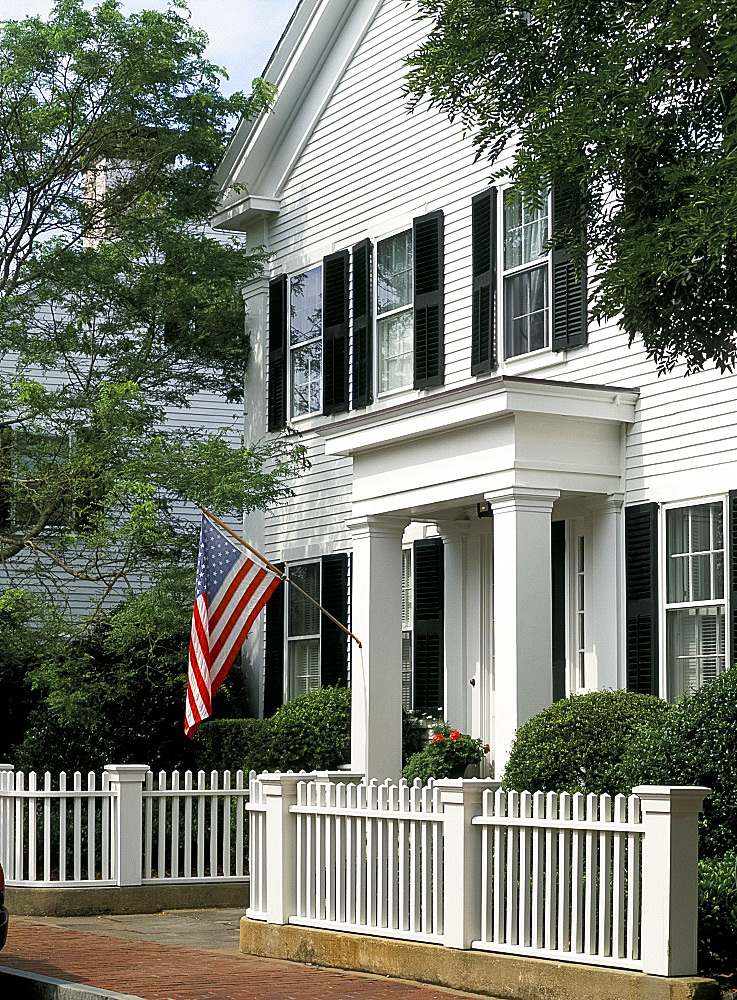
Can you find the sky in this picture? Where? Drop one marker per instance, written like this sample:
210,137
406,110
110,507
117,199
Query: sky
242,33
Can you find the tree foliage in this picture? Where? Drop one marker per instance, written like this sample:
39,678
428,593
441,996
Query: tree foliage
635,106
116,301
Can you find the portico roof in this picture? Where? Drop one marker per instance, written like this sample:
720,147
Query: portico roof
450,448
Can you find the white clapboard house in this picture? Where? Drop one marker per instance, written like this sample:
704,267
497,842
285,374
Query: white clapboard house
504,500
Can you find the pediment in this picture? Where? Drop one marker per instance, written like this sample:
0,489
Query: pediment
306,67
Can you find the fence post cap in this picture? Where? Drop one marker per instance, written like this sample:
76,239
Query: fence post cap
127,772
6,767
464,789
274,783
671,798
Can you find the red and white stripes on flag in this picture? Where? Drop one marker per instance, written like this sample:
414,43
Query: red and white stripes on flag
231,590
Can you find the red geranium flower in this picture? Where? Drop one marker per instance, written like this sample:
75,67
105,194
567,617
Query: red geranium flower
437,738
454,735
486,746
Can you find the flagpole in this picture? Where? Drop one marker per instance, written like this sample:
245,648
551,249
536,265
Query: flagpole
275,569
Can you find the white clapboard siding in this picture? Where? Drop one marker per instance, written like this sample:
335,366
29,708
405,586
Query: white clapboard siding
367,168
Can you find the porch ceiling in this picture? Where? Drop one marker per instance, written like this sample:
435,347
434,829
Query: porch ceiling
448,449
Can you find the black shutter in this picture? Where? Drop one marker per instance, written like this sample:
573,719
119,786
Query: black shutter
333,640
483,258
277,387
362,324
428,266
569,291
274,657
428,626
732,554
335,332
558,579
641,568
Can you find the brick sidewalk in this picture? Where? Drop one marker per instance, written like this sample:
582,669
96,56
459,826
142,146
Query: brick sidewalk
167,972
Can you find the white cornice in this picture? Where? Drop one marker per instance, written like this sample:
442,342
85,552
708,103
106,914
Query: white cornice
238,214
483,401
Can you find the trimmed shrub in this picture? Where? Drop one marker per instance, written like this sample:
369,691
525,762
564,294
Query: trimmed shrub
447,755
224,744
696,745
310,733
578,743
718,914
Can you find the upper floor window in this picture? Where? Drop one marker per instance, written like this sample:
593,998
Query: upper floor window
394,311
525,275
305,342
694,596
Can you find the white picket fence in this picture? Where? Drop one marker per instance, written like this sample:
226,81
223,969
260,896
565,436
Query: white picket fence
464,864
124,828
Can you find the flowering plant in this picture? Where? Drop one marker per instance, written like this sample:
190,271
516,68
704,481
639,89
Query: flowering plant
447,755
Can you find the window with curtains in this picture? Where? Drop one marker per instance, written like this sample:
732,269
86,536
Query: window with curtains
525,274
695,587
305,342
303,630
394,311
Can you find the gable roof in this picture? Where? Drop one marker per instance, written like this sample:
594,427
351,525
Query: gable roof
306,67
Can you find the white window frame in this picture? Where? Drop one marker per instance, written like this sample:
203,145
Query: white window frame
502,273
579,530
410,308
288,694
292,416
664,605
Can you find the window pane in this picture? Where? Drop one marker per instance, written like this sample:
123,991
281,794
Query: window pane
526,311
395,351
525,230
407,588
695,553
306,378
407,670
695,648
304,617
394,268
304,666
305,306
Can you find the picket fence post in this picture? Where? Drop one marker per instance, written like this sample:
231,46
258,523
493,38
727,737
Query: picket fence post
460,801
670,877
126,784
280,792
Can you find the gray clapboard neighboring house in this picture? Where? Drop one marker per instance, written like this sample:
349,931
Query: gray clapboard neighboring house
504,499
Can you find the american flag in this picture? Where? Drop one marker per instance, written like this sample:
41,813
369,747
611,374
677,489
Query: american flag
230,591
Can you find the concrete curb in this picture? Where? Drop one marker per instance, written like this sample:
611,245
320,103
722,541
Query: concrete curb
88,901
30,986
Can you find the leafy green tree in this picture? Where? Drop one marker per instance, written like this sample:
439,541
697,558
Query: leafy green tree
632,106
116,301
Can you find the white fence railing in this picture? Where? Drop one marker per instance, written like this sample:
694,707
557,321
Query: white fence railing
125,828
464,864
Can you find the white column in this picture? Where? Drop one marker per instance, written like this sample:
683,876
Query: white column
461,801
126,784
376,701
670,878
255,296
456,685
604,620
280,792
522,611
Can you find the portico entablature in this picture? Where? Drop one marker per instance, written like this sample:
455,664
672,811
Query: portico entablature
454,447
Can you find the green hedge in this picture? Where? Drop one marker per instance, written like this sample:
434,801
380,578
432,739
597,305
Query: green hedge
718,914
578,743
696,745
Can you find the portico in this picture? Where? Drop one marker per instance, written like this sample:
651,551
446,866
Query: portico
537,451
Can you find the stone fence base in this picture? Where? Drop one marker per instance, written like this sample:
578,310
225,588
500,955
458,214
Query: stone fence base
507,977
80,901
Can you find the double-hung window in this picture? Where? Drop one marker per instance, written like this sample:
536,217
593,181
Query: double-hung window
303,630
394,311
525,274
305,342
694,595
